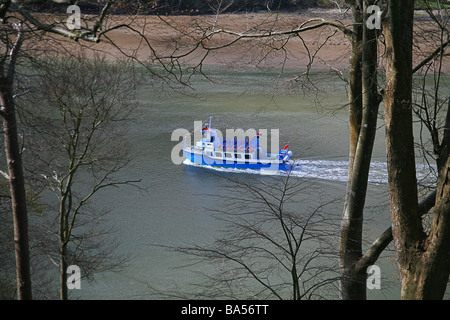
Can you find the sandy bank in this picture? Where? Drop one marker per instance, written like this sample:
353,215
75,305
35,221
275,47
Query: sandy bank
322,48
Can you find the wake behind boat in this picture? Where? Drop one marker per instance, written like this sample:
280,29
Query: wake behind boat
215,151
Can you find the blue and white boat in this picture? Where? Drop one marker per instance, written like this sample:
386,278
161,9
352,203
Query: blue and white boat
211,150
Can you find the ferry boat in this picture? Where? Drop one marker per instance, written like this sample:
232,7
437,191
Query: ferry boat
235,153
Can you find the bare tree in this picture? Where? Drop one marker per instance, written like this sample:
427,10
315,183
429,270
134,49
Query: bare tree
202,39
430,99
364,102
20,25
77,146
13,32
276,244
364,99
423,258
14,161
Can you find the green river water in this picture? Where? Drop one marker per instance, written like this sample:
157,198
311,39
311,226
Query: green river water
172,209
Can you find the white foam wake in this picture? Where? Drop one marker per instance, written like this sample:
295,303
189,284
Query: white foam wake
331,170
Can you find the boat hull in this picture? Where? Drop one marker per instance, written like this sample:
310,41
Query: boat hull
199,157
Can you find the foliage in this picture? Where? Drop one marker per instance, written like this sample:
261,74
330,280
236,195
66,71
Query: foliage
427,4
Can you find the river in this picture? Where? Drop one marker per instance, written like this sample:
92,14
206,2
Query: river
171,209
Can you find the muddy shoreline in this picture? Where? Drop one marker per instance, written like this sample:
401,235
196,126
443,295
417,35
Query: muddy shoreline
165,36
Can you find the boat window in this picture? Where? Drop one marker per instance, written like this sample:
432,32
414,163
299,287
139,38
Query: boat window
247,156
218,154
238,156
228,155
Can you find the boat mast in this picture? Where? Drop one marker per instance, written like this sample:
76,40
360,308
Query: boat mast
210,122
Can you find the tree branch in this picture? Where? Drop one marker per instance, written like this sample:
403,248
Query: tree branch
434,54
383,241
99,23
295,31
14,53
87,35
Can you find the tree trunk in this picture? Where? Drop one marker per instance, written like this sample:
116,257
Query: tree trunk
406,224
64,235
428,280
63,273
18,196
15,172
352,285
437,260
423,260
364,102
